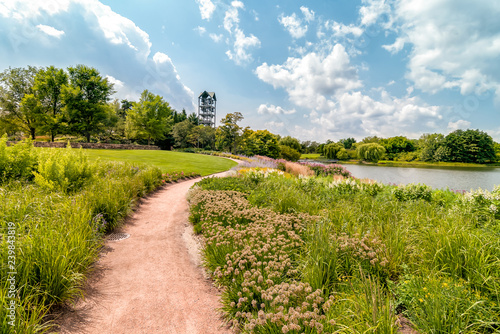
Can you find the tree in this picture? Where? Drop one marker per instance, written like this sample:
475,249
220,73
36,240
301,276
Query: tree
470,146
193,118
291,142
370,152
288,153
49,83
260,142
342,154
17,101
347,143
428,144
150,118
330,150
396,145
201,136
85,100
181,132
229,132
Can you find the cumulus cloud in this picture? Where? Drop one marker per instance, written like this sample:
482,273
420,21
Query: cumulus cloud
241,43
201,30
95,36
452,45
342,30
329,88
460,124
207,9
274,110
293,25
311,80
373,10
51,31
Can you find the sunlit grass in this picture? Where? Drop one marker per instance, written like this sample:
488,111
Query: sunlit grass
167,161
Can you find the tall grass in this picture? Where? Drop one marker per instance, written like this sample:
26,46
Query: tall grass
369,253
59,224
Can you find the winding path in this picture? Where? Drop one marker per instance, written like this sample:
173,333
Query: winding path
153,281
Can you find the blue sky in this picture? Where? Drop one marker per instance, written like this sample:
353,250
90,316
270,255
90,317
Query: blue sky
316,70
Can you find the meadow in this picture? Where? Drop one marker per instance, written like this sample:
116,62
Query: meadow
56,207
166,161
301,252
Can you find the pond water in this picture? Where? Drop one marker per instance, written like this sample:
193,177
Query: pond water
456,178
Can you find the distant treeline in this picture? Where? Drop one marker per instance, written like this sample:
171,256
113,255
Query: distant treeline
75,103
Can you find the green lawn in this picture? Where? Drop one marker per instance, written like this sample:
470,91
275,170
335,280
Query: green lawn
167,161
310,156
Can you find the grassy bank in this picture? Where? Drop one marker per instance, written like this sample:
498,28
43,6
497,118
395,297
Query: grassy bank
167,161
334,255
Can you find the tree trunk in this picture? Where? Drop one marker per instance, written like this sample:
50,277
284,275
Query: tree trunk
52,136
32,130
88,137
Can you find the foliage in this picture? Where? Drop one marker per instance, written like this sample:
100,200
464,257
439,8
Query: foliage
229,132
49,83
398,144
470,146
288,153
58,235
150,118
342,154
17,100
260,142
330,150
413,192
347,142
181,132
428,145
370,152
17,162
85,100
61,170
291,142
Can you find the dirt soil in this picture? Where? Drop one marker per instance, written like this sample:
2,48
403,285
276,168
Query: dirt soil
153,281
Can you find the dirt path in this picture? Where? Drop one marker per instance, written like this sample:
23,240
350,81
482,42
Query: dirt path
151,282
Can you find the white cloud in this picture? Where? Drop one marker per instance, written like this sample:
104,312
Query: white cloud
216,38
452,45
51,31
294,25
273,110
201,30
328,87
96,36
207,9
372,10
460,124
311,80
308,14
241,43
342,30
273,125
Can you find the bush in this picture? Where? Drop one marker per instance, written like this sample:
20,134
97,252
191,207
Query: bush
66,170
17,162
370,152
289,153
413,192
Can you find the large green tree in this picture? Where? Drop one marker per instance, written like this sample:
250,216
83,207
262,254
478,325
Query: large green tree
330,150
18,105
396,145
85,100
428,145
291,142
150,118
49,83
470,146
370,152
260,142
182,134
229,132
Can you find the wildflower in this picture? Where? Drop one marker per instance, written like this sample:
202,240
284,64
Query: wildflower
421,300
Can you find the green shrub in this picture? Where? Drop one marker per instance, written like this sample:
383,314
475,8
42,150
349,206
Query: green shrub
289,153
17,162
66,170
413,192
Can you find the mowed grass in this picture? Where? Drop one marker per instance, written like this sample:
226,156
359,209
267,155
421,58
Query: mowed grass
167,161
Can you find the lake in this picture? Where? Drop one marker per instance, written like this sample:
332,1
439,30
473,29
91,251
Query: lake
456,178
